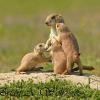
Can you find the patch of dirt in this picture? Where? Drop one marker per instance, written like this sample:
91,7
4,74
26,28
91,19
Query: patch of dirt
93,81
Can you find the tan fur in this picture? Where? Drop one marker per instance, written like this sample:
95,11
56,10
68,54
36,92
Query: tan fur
70,47
51,21
58,57
31,60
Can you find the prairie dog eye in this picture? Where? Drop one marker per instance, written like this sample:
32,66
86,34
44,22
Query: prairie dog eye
40,45
53,17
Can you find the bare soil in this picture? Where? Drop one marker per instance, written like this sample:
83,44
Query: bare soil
36,76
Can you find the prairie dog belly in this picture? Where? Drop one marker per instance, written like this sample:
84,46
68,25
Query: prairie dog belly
59,59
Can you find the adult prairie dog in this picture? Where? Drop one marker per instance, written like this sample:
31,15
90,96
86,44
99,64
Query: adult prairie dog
51,21
70,47
32,59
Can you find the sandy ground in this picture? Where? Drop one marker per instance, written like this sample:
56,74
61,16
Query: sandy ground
46,76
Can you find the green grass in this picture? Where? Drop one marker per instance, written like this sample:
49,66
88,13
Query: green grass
22,26
52,90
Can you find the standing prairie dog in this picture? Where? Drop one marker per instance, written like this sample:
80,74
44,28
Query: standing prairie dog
31,60
58,57
51,21
70,47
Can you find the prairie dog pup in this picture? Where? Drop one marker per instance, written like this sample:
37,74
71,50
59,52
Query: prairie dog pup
58,57
32,59
70,47
51,21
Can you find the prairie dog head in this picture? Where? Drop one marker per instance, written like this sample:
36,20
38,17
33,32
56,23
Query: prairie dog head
61,27
52,19
39,48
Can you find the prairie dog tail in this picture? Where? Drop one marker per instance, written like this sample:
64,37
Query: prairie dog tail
13,70
89,68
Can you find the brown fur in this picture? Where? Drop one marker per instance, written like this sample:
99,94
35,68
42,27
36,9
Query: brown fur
51,21
70,47
31,60
58,57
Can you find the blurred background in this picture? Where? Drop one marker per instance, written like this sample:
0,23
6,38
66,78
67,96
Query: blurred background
22,27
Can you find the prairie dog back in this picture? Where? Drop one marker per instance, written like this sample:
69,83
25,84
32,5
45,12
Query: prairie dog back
32,59
70,47
67,39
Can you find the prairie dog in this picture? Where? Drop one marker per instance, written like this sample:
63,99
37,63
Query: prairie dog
70,47
51,21
32,59
58,57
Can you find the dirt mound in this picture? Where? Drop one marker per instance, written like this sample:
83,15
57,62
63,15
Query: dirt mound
93,81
